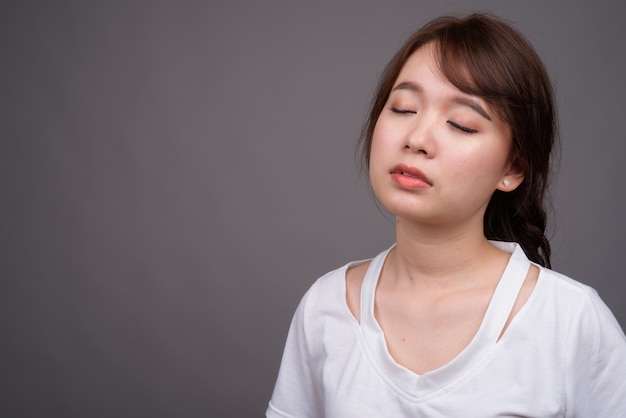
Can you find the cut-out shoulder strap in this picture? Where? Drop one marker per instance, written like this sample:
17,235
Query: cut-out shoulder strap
505,296
368,288
355,274
528,285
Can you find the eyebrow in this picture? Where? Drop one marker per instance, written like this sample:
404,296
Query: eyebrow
464,101
407,85
472,104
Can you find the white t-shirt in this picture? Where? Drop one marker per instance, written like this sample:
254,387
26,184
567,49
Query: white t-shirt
563,355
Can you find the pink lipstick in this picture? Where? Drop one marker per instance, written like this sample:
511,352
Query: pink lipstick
409,177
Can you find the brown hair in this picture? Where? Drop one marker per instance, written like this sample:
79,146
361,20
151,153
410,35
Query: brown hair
483,56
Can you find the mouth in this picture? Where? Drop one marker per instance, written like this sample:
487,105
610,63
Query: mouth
409,177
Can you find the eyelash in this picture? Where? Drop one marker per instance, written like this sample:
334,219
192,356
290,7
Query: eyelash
453,124
462,128
402,111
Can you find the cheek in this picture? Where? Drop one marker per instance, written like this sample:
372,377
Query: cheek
379,157
376,163
377,147
472,181
387,135
479,166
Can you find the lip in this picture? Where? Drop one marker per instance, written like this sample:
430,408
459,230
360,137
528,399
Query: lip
409,177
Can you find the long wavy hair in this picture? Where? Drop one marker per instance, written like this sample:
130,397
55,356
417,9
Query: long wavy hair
483,56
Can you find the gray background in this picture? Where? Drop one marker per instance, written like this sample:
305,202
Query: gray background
174,175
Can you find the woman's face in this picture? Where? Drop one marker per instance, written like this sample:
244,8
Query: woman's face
438,154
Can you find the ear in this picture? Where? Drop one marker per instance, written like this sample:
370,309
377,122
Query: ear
512,178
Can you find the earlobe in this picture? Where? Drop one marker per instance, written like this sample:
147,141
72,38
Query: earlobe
512,178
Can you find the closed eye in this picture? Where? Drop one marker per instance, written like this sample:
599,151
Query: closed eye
402,111
462,128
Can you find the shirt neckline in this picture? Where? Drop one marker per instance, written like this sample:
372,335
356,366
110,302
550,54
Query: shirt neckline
438,381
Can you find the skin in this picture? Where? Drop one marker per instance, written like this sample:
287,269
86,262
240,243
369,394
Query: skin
437,282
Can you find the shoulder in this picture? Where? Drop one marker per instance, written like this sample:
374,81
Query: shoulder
336,294
567,288
331,282
564,290
580,303
329,291
593,343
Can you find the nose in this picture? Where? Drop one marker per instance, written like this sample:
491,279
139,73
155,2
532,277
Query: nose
420,137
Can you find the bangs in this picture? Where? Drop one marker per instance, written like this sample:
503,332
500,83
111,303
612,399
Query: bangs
476,64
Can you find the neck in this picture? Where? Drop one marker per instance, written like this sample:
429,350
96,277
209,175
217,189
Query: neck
434,254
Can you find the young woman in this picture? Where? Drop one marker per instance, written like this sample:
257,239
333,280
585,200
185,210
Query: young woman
461,317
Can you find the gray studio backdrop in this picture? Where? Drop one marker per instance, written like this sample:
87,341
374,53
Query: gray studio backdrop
174,175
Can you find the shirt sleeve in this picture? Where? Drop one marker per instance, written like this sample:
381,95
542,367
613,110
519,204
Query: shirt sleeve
596,365
298,392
